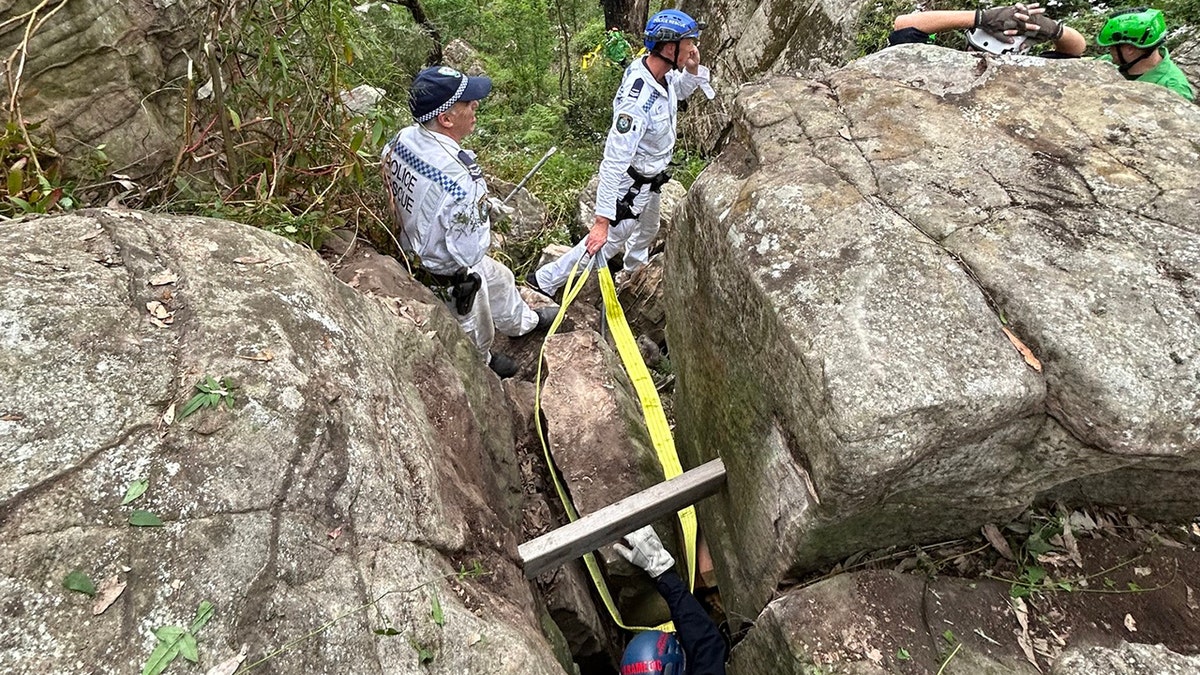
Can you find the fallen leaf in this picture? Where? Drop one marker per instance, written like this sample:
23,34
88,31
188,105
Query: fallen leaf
79,582
169,415
336,532
160,323
157,309
163,278
1082,521
1029,357
1023,640
998,542
1142,571
1191,598
110,589
263,356
230,665
1070,544
250,260
91,235
140,518
475,639
1130,624
136,489
844,132
11,417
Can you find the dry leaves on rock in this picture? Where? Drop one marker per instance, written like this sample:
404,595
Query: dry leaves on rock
264,356
1130,623
1191,598
110,589
1025,352
159,314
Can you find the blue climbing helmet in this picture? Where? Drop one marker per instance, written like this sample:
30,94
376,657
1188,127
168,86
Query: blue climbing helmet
670,25
653,652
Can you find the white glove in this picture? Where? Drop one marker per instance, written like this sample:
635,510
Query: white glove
498,210
646,551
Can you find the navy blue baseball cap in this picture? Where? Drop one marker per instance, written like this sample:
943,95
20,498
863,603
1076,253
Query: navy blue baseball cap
436,89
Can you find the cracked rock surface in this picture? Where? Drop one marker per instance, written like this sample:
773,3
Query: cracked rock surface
368,455
839,282
107,73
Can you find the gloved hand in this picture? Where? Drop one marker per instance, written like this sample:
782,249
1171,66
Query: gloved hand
646,551
1047,28
498,210
998,20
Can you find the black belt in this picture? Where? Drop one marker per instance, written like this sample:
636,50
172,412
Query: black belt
625,204
459,287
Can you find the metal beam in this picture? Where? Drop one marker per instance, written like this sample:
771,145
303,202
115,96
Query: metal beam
617,520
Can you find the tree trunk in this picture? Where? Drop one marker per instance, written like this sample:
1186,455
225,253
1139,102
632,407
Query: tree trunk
419,18
628,15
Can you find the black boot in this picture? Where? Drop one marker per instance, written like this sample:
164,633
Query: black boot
503,365
546,316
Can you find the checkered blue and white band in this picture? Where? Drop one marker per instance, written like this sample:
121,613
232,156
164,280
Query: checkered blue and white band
462,86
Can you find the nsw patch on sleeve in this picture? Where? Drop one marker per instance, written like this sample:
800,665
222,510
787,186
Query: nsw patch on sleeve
624,123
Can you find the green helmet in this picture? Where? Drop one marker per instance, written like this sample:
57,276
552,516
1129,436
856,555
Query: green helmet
1141,27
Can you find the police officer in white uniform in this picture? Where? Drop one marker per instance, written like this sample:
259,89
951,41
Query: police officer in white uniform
439,199
639,148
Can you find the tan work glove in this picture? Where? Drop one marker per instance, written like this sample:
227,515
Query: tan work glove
646,551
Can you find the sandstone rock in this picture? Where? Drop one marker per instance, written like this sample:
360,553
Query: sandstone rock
747,39
603,451
98,74
838,283
368,457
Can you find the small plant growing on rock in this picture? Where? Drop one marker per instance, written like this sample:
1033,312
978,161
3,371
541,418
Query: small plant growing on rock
210,394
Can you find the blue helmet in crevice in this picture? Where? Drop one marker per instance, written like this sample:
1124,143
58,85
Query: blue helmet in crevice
670,25
653,652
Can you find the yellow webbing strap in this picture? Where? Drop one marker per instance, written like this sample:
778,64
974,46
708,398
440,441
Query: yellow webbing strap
656,423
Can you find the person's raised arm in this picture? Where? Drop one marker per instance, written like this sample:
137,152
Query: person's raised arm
936,21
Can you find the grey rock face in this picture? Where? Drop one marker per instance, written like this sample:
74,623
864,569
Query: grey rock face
747,39
106,72
1125,659
839,280
368,456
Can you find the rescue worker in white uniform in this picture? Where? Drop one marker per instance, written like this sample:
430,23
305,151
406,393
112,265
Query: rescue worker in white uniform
439,199
639,148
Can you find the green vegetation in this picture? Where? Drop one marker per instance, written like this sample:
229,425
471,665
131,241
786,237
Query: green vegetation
210,394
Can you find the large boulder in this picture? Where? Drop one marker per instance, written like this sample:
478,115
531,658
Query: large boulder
359,502
747,39
913,299
99,73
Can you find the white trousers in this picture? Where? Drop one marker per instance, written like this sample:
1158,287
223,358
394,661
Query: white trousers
498,306
633,235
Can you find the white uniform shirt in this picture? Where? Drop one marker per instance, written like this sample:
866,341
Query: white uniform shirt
437,194
643,130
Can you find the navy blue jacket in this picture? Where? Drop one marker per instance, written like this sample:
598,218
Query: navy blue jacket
701,641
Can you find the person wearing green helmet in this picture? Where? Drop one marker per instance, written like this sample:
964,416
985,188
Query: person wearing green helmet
1134,38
